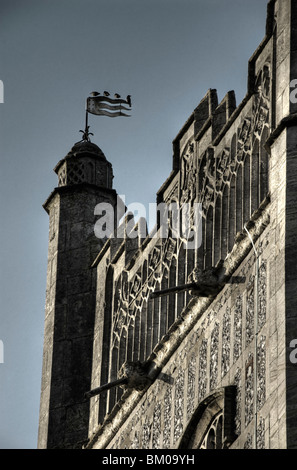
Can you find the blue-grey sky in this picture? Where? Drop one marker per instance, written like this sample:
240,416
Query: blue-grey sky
53,53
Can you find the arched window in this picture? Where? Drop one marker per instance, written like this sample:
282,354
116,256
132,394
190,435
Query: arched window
212,425
217,229
130,339
213,437
232,213
156,317
246,189
106,344
239,199
181,275
113,375
172,296
224,223
208,251
264,166
190,267
143,329
136,339
149,326
163,306
255,178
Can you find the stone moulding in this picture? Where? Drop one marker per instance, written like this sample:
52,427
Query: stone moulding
288,121
177,333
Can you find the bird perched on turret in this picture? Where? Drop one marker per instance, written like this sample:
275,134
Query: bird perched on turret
106,93
128,99
116,95
94,93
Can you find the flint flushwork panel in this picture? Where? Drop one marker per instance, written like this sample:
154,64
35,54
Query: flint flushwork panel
203,365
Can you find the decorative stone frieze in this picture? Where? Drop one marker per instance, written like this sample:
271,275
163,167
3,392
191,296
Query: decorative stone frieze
261,372
179,405
191,386
249,389
226,341
214,356
202,385
237,346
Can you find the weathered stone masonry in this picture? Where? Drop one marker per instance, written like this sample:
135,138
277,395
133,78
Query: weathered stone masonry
211,364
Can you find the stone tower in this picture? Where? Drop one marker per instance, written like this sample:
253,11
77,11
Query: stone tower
184,348
84,180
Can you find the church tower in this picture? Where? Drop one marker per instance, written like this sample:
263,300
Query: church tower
84,180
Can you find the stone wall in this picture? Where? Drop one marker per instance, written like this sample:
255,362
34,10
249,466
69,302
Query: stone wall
207,327
218,351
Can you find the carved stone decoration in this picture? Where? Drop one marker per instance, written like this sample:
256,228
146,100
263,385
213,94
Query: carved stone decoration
179,405
214,357
135,375
116,445
224,169
226,342
261,115
135,285
210,185
261,372
172,194
237,348
249,389
191,387
261,434
120,310
244,139
188,176
63,175
248,443
167,417
202,385
76,173
133,431
210,169
122,439
135,441
154,259
169,250
237,382
250,312
156,427
262,295
207,179
261,101
146,434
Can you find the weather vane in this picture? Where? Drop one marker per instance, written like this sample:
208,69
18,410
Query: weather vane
103,105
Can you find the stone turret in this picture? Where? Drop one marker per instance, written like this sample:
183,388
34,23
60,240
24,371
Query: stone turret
84,180
85,163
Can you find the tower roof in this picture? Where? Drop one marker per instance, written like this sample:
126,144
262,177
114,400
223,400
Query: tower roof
85,146
81,149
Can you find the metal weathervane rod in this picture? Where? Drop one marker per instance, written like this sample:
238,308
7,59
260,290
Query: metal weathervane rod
104,105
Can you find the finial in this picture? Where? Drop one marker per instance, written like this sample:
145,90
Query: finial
86,134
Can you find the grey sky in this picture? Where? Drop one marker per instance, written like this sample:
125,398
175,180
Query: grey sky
166,54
